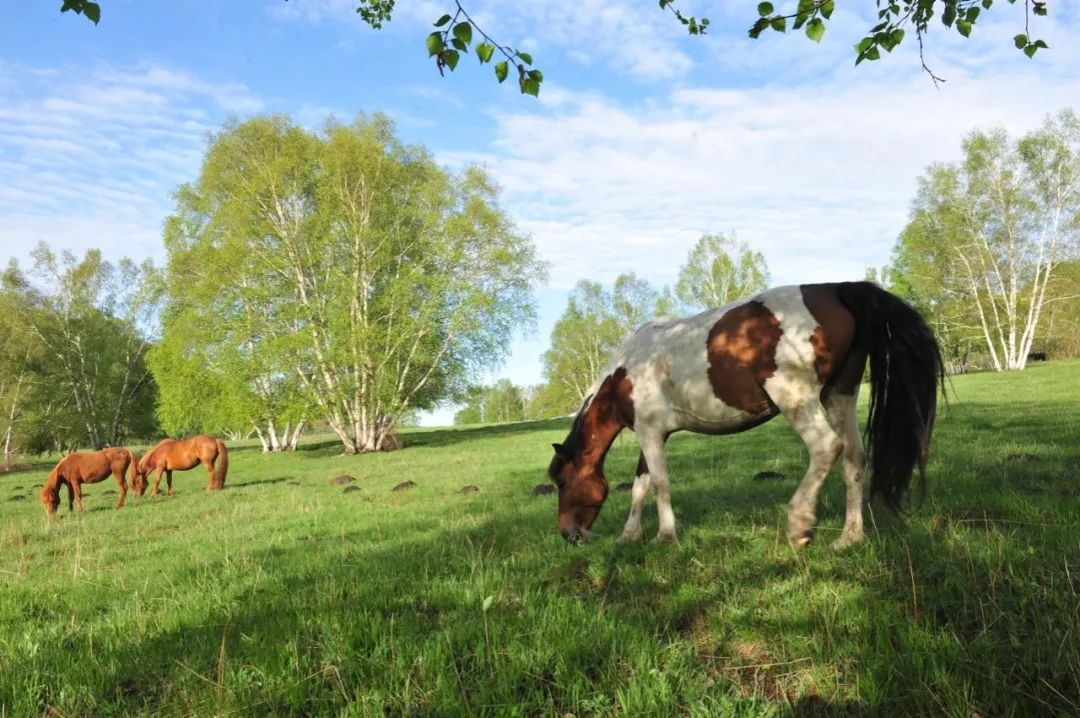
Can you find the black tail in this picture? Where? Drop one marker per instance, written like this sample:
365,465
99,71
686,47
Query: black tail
905,373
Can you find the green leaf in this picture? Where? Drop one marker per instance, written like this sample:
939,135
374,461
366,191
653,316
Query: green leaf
759,26
1030,50
456,42
531,87
463,32
827,9
765,8
535,75
92,11
1020,41
435,44
949,15
525,57
442,20
863,45
779,23
1042,44
987,3
972,14
963,27
500,70
815,29
451,57
484,51
873,54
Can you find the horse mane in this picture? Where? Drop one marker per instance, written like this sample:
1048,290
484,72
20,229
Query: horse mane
574,443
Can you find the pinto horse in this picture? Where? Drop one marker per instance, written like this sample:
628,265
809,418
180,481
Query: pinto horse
180,455
87,467
799,351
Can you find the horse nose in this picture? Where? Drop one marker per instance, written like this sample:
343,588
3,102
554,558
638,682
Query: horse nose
572,535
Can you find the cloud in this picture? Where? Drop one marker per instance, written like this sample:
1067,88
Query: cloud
95,164
817,177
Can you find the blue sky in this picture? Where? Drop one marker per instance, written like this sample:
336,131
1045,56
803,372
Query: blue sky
643,138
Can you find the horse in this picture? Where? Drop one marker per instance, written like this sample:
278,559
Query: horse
87,467
180,455
796,350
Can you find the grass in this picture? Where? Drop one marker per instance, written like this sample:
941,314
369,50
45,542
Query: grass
284,595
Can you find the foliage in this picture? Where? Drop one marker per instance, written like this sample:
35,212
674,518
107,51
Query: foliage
288,597
362,277
593,325
986,236
83,330
455,30
719,270
499,403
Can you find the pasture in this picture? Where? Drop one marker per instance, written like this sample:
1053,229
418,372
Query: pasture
287,595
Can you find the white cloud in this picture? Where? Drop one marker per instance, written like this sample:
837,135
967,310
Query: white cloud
95,164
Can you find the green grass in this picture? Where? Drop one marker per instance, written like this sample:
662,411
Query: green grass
282,595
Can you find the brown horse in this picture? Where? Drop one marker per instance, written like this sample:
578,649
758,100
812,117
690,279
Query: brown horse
87,467
180,455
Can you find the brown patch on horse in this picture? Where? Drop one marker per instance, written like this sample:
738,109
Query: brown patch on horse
834,361
741,350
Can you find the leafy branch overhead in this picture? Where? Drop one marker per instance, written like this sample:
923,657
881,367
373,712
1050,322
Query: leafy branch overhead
455,32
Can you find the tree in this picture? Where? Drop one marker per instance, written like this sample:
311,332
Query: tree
455,30
495,404
719,270
593,325
21,353
85,330
385,283
986,236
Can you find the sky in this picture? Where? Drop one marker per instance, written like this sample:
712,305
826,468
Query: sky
643,138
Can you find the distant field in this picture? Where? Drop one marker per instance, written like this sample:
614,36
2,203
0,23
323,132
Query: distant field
282,595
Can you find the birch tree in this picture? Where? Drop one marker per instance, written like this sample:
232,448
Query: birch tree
93,323
987,234
390,281
595,322
719,270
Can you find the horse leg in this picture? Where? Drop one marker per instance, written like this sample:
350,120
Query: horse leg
76,486
71,496
123,487
811,423
210,474
842,415
652,451
642,484
157,482
168,480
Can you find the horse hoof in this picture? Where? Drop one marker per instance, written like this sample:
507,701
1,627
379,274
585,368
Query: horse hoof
846,541
666,537
629,538
803,539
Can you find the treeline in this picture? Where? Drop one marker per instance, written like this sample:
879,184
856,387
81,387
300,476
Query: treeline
341,279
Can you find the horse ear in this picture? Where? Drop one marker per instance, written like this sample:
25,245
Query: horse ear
562,452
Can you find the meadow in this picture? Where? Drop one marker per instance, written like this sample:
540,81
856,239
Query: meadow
287,595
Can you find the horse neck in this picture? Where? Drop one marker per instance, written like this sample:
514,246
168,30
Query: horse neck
596,431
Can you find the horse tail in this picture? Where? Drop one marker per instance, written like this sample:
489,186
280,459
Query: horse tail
906,371
221,466
133,467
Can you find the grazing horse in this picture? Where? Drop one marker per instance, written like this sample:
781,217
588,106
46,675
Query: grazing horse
799,351
87,467
180,455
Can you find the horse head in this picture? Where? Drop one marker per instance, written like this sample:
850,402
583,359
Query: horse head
582,492
50,495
